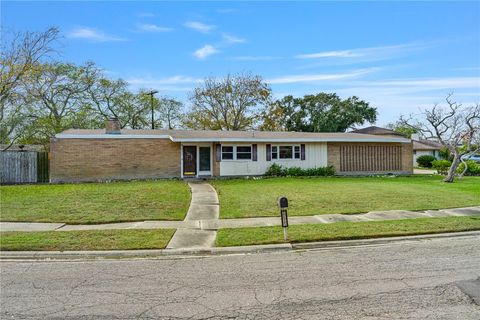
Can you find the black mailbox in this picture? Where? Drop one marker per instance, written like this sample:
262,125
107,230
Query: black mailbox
283,202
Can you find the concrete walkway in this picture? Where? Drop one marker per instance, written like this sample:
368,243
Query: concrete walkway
204,208
202,219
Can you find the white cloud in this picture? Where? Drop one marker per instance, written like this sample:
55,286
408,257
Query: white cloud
302,78
379,52
93,35
205,51
227,10
328,54
145,14
232,39
255,58
467,69
147,27
174,80
425,84
199,26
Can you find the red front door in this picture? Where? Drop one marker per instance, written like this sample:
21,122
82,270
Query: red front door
189,160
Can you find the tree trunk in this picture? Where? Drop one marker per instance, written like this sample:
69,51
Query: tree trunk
453,168
465,168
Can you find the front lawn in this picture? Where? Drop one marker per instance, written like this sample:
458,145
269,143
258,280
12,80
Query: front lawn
240,198
85,240
345,230
96,202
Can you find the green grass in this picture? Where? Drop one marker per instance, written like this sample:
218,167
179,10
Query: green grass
240,198
345,230
95,202
86,240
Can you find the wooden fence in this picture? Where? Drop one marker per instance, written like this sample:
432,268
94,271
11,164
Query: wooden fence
23,167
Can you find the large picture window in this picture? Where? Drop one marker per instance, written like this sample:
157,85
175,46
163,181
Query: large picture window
286,152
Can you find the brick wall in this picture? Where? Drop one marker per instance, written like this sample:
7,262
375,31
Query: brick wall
215,164
74,160
370,158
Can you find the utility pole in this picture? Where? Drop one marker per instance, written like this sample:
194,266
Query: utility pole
151,93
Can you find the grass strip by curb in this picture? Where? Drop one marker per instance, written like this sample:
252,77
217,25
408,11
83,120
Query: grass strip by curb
345,231
86,240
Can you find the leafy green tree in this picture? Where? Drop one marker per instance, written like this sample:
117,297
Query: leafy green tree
20,55
231,103
112,98
401,128
171,112
323,112
55,96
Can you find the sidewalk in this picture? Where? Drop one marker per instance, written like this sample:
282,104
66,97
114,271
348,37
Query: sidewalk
209,222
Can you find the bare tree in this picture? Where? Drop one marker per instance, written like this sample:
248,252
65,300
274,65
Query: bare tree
19,58
456,127
230,103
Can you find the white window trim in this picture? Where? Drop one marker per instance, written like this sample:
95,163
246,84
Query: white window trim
286,145
235,152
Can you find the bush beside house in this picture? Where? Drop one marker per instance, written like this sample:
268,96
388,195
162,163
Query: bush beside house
425,161
276,170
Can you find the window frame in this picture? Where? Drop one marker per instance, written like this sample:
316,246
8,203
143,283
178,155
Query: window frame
232,152
235,152
294,147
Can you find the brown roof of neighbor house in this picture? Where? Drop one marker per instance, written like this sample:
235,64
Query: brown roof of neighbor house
232,136
426,145
377,131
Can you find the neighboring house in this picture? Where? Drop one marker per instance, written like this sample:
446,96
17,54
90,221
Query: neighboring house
377,131
420,146
93,155
423,147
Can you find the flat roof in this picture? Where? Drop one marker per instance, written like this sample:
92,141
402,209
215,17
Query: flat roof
228,136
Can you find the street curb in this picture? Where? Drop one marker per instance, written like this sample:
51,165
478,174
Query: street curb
172,253
380,241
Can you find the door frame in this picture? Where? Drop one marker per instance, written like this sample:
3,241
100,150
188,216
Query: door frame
196,161
197,169
204,173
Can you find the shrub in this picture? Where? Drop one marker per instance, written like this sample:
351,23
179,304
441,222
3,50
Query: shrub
276,170
320,171
444,153
295,172
442,166
473,168
425,161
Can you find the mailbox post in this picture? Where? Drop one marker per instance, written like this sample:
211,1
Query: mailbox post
283,204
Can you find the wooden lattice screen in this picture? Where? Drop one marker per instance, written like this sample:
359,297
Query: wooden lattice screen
370,158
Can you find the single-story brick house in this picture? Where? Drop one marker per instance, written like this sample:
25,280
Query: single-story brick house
111,154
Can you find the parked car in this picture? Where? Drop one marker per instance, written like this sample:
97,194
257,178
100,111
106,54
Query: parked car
474,157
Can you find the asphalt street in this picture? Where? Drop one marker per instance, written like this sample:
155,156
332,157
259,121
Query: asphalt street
427,279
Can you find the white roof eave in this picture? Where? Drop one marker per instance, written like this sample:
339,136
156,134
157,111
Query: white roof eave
159,136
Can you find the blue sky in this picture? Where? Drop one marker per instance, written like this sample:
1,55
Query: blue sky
397,56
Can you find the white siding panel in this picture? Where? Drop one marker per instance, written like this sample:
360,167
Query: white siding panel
315,156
